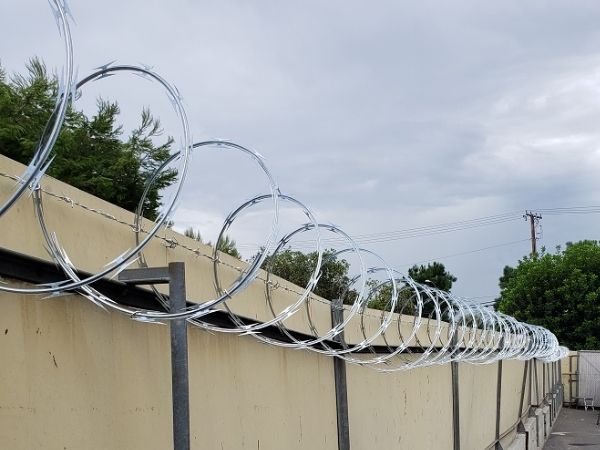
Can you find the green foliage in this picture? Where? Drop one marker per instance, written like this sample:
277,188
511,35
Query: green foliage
433,274
297,267
507,273
381,298
194,234
558,291
90,153
227,244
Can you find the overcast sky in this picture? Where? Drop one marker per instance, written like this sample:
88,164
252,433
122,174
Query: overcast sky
381,116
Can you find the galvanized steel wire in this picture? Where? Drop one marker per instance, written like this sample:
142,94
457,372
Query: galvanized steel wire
417,326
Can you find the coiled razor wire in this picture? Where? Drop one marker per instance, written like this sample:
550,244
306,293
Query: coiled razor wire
416,326
41,159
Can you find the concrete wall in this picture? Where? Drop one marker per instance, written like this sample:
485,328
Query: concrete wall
73,376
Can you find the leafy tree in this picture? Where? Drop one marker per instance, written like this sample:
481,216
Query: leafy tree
559,291
90,152
297,267
507,273
433,274
381,298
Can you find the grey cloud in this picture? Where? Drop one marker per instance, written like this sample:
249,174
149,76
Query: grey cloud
382,116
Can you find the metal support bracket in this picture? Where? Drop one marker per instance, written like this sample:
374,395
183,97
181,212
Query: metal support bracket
455,402
498,405
175,276
341,387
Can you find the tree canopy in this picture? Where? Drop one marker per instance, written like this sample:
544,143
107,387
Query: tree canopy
297,267
91,153
559,291
433,274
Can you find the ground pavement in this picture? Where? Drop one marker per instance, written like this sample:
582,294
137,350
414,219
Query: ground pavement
575,429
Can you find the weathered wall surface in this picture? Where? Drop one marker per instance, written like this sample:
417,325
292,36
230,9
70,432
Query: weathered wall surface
382,414
477,388
73,376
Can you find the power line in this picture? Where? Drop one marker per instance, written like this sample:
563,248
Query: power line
503,216
409,233
429,230
571,210
469,252
448,227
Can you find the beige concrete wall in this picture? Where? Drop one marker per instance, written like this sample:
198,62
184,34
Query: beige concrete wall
406,410
73,376
477,388
78,377
512,383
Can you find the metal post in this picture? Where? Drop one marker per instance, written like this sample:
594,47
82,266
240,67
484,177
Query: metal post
455,401
498,404
554,391
555,383
179,359
551,389
577,381
341,387
537,386
544,380
530,380
520,426
175,276
523,389
571,380
560,387
537,401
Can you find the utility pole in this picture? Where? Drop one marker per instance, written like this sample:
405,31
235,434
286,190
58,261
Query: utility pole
534,219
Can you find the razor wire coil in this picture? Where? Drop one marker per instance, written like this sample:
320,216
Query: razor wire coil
418,326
